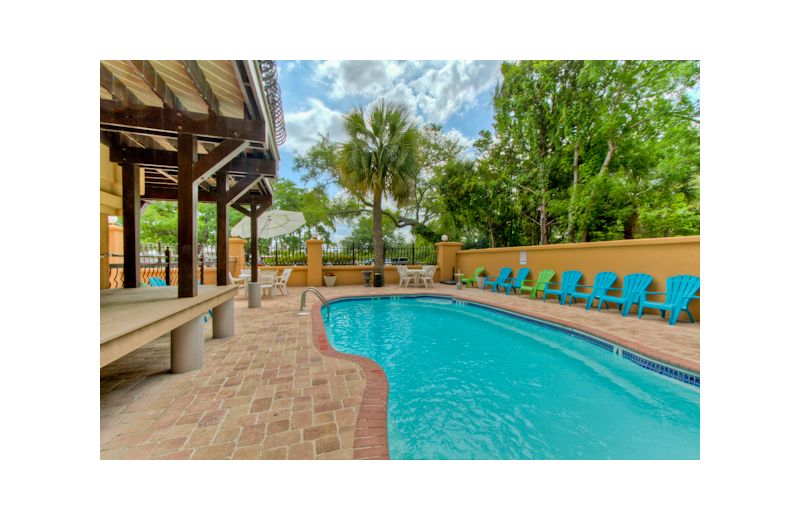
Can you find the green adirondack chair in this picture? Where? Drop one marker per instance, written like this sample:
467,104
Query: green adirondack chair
602,283
680,291
467,280
545,276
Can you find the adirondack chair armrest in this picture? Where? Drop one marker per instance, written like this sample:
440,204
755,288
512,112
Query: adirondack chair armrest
552,283
614,289
648,292
491,277
584,285
693,297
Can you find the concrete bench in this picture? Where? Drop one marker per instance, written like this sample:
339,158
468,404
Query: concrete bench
130,318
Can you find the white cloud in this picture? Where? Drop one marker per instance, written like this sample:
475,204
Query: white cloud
438,89
302,127
453,88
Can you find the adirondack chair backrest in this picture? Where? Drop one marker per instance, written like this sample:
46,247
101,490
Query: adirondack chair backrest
545,275
157,282
679,287
569,279
504,274
521,275
604,280
634,284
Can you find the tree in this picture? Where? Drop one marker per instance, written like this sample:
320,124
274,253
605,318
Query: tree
379,159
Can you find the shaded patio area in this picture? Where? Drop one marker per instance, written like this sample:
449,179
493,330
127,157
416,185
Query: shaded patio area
268,392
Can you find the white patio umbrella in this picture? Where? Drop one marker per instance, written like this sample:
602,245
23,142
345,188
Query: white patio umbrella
271,224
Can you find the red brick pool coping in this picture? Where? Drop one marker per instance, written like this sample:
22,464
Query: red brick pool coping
371,437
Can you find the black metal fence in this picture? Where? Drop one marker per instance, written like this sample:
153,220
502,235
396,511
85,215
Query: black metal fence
393,255
278,255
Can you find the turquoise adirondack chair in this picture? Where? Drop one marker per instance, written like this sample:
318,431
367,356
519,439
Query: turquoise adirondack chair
157,282
680,291
500,278
632,287
602,283
514,283
569,279
545,275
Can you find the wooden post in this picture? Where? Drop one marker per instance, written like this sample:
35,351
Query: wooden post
253,244
187,216
167,277
131,207
222,226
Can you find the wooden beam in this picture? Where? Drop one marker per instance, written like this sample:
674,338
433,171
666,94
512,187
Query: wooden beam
240,208
195,74
206,197
117,116
187,217
222,227
217,158
131,207
156,83
165,159
167,175
241,187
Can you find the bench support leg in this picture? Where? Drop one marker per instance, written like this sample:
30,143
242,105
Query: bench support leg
187,346
253,295
223,324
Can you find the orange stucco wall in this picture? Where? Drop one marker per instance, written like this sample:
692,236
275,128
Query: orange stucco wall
658,257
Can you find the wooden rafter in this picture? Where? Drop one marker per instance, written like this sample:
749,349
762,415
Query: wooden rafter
247,93
156,83
116,88
163,192
195,74
241,187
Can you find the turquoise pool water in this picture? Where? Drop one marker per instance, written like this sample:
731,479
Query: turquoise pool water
468,383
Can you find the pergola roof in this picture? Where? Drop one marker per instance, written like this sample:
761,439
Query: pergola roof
145,104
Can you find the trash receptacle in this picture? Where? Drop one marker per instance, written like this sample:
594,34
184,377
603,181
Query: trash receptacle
378,280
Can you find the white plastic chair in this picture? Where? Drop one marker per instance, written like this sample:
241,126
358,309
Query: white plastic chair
402,271
281,283
427,275
233,282
267,281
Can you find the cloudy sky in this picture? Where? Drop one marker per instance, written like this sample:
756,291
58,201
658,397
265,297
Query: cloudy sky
454,94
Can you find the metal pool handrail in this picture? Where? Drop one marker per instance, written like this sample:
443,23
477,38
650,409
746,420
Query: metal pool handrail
322,299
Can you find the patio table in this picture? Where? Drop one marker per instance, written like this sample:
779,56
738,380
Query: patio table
416,274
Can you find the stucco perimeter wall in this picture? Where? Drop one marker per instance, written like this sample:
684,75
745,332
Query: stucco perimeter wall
658,257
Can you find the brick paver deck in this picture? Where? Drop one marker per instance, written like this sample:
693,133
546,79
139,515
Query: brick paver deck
276,390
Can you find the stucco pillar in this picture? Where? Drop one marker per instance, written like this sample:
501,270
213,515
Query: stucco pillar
236,250
314,249
446,258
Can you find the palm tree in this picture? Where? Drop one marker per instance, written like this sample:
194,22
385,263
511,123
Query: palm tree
379,159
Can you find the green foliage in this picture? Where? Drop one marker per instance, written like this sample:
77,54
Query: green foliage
426,233
380,158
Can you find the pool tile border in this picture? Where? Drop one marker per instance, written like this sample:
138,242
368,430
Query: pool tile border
371,437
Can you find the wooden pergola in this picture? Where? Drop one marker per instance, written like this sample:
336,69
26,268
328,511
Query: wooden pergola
192,131
199,137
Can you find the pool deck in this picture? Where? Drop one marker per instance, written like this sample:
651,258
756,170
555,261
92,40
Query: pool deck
276,390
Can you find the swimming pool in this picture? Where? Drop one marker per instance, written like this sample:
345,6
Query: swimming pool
469,383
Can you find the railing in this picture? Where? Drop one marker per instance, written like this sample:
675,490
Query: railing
166,270
399,255
322,299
